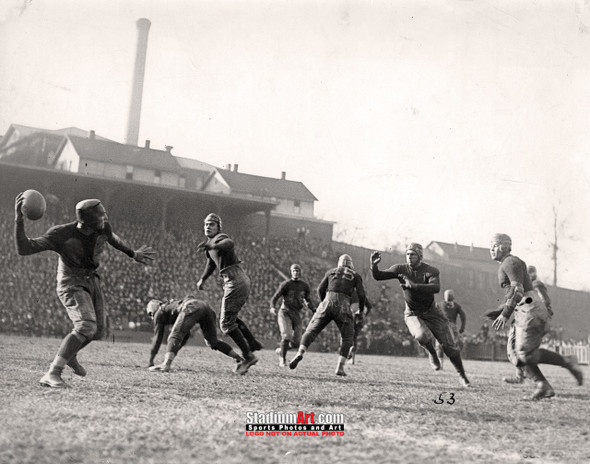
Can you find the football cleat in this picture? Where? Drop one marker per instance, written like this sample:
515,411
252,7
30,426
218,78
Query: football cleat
160,368
77,367
53,379
513,380
246,364
465,381
296,360
256,345
282,362
434,361
544,390
340,372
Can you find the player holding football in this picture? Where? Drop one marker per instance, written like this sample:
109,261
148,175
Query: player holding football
335,292
530,323
451,309
79,245
295,293
420,282
191,312
220,252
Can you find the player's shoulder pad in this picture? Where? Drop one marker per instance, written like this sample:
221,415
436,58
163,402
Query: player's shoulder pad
220,237
433,270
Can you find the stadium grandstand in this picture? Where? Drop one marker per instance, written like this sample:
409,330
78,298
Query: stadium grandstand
155,198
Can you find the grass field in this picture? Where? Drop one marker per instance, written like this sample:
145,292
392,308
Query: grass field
121,413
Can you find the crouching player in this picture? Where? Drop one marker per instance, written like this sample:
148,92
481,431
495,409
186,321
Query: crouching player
191,312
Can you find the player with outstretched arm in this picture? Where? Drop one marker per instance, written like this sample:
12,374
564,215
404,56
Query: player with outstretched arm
79,245
420,282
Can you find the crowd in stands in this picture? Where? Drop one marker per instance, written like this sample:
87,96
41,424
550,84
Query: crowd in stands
29,304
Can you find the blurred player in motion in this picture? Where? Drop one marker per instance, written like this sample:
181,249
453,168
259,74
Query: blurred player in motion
220,253
295,293
79,245
359,322
427,324
451,309
190,312
530,323
335,292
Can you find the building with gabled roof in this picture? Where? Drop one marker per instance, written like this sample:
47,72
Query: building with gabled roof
34,146
105,158
293,215
197,172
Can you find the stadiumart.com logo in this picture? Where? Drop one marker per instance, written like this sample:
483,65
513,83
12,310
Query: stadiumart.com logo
296,424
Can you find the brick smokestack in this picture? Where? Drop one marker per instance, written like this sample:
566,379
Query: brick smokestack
143,29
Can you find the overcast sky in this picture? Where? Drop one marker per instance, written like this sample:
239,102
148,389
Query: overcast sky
409,120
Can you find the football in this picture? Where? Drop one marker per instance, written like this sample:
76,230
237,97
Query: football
33,205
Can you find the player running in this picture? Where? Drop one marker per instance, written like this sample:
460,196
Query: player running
420,282
335,292
530,323
296,295
79,245
451,309
190,312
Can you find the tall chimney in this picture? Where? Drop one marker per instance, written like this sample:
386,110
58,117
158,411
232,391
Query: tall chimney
283,175
235,168
143,28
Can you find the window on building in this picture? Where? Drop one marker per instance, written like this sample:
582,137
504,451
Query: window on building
157,176
182,181
129,173
297,206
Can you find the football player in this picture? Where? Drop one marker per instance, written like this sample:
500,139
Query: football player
190,312
335,292
79,245
451,309
220,252
420,282
296,295
530,323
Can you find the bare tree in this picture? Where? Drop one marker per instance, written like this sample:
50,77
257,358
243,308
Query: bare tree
559,232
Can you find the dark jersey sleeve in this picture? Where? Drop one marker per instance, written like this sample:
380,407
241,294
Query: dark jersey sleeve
360,291
209,267
322,288
279,293
462,316
159,328
116,242
29,246
391,273
307,297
